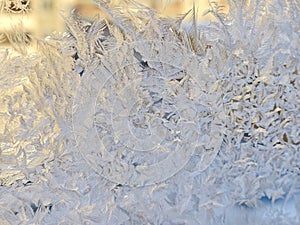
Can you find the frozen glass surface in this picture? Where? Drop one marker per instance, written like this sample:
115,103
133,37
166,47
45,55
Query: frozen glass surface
138,119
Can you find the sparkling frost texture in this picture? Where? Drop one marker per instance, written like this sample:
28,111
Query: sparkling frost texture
133,119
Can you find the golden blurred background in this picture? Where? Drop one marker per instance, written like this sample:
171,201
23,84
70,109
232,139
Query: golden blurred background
42,17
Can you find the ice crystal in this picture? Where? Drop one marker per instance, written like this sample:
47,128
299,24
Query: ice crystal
137,119
15,6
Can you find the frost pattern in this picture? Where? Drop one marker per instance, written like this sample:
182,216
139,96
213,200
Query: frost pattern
33,111
238,81
15,6
147,116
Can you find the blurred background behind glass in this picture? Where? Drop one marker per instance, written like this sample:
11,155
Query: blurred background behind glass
42,17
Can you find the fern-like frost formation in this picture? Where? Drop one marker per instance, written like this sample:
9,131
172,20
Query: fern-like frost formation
138,119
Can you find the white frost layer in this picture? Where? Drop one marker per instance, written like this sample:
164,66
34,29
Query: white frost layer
136,121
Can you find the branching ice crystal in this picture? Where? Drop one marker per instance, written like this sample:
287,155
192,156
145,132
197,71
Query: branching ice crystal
131,119
146,115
